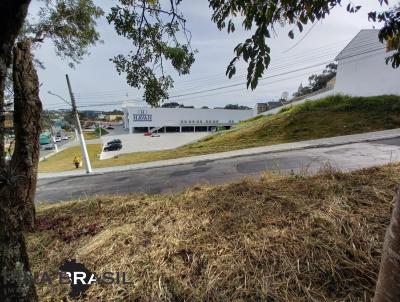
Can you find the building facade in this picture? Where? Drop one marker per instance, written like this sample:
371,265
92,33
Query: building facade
362,70
141,119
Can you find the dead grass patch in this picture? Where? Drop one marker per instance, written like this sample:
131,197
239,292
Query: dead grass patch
279,238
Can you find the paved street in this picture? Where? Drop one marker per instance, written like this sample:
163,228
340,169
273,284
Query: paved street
175,178
44,153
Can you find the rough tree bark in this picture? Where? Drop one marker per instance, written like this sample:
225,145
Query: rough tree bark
388,285
15,280
27,128
12,16
19,182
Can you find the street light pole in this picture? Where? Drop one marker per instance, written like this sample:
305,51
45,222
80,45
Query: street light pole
79,128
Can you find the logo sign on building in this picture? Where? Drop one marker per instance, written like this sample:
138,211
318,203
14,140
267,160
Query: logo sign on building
142,116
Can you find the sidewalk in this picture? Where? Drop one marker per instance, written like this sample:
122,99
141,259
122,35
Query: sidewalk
317,143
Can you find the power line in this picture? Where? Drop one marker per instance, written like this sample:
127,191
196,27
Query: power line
326,53
296,55
241,83
302,38
263,78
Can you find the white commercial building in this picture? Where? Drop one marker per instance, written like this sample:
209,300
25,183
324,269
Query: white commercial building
362,70
141,119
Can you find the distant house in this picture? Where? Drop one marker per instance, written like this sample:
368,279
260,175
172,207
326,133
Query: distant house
269,105
362,70
114,117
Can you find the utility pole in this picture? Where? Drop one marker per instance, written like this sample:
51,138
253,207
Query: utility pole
79,129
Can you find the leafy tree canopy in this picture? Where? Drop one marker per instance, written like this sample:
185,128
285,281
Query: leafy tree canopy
69,24
261,16
317,81
158,34
236,106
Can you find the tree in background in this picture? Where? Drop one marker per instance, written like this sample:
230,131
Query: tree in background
171,105
317,81
284,97
235,107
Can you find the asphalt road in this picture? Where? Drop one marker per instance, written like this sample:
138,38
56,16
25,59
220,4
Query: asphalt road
59,145
176,178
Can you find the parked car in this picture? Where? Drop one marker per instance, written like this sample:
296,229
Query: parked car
58,139
65,138
155,134
110,128
113,147
147,133
49,147
114,141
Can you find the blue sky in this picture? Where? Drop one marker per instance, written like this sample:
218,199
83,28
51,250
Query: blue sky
96,81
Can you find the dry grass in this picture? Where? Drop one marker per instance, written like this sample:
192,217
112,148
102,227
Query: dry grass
295,238
94,134
328,117
62,161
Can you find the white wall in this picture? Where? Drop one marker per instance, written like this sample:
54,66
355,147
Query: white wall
367,76
177,116
362,70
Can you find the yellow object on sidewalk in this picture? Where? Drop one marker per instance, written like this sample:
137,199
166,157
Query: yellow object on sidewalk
77,162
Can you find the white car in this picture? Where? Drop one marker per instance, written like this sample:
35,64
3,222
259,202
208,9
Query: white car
155,134
65,138
58,139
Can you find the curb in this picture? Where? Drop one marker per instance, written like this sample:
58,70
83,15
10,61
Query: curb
219,156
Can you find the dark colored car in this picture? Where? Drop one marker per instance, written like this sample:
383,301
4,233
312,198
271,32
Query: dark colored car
114,141
113,147
110,128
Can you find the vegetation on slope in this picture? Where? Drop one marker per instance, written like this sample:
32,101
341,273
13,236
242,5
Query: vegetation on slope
95,134
328,117
292,238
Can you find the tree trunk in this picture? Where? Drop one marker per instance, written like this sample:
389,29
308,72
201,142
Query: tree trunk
12,16
27,128
19,183
388,285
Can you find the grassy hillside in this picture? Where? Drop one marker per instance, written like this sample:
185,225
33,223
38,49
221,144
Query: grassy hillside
331,116
95,134
293,238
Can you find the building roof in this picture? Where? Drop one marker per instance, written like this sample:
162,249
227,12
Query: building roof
366,41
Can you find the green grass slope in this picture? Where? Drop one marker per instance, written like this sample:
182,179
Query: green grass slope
328,117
